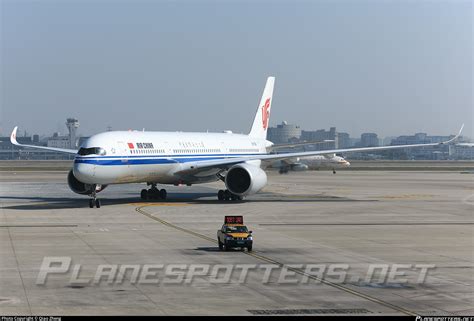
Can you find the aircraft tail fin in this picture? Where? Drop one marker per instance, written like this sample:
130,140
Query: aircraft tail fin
262,116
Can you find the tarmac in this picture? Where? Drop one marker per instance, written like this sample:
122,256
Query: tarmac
347,222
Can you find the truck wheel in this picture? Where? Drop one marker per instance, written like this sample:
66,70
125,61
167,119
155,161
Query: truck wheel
249,248
221,246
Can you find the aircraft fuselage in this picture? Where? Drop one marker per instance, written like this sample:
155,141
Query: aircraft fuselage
136,156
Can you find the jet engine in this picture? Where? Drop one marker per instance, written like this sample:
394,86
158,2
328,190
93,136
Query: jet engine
299,167
81,188
245,179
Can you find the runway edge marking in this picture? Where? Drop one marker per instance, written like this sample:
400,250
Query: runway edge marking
270,260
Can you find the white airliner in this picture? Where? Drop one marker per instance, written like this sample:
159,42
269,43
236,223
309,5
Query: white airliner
327,161
118,157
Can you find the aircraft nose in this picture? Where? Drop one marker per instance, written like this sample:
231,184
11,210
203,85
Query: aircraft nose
83,172
343,163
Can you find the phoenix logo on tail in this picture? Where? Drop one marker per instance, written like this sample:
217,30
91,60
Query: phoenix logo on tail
265,113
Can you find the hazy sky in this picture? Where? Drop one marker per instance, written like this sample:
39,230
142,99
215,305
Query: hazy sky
391,67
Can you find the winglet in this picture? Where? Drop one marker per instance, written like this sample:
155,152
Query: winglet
454,138
460,131
54,149
13,136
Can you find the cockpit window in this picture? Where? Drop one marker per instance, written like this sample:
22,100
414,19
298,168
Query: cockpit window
91,151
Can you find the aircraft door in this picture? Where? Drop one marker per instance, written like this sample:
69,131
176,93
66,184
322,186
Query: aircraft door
123,152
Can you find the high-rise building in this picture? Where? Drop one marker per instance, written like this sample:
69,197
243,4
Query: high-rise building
284,133
321,135
369,140
343,140
430,152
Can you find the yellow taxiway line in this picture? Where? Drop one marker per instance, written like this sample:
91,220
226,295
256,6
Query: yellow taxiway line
267,259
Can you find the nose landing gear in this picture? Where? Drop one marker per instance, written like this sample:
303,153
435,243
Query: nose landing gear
94,201
153,193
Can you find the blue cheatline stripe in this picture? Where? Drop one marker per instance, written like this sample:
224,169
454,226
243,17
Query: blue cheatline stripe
167,156
140,161
107,162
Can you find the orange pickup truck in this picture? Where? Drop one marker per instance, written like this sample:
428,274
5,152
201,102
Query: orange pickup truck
234,234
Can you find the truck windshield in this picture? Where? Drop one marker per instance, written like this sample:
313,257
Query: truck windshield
91,151
236,229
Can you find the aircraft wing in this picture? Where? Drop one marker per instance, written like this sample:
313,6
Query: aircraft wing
280,146
227,163
54,149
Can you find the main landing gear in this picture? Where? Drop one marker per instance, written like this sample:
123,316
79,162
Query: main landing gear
283,170
153,193
226,195
94,201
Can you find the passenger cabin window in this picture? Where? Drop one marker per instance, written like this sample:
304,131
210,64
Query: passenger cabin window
91,151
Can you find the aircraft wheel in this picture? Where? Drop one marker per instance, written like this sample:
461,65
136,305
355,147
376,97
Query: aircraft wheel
152,194
162,194
227,195
221,195
144,194
91,203
235,197
97,203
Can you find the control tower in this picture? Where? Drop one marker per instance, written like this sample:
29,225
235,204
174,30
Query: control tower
72,125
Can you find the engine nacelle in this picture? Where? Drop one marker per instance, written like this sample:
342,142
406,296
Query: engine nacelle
299,167
81,188
245,179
